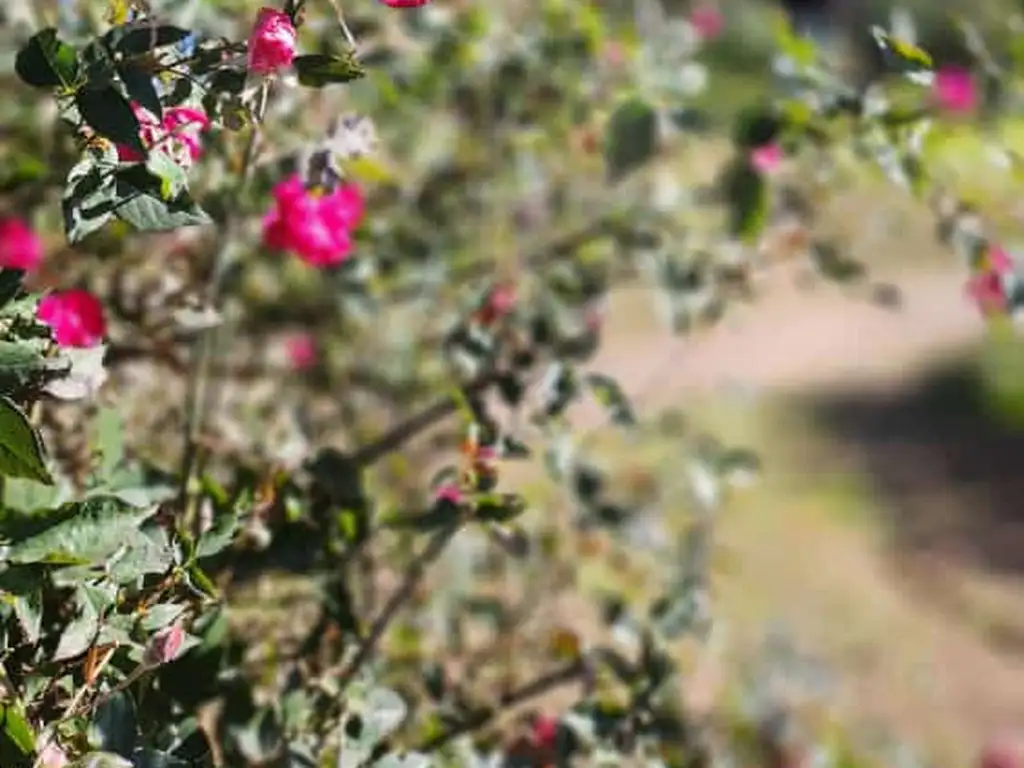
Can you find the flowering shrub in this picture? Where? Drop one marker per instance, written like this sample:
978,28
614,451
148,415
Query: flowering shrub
403,200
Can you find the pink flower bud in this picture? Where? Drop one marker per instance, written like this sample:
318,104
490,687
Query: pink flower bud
164,646
404,3
301,349
708,21
765,159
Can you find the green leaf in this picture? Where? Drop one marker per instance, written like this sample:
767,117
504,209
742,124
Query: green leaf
140,37
18,360
317,70
90,193
746,195
28,609
146,210
46,62
610,395
756,126
21,449
10,285
173,181
114,725
96,531
139,84
108,113
80,633
220,535
15,731
631,138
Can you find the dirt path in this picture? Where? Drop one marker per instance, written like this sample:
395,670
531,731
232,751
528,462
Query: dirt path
904,660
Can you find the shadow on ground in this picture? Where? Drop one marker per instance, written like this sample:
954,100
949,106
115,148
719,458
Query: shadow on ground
949,472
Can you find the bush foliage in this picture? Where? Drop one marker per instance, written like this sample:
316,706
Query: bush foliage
322,282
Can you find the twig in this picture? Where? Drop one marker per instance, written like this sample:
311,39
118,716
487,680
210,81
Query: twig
413,575
539,686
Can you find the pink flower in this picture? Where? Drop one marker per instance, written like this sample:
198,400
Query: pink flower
316,227
272,42
301,348
449,492
544,731
75,317
708,21
404,3
20,246
178,134
499,302
1000,754
999,259
614,54
986,290
52,756
954,90
766,158
165,645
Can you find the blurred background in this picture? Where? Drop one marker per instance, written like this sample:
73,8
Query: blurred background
887,541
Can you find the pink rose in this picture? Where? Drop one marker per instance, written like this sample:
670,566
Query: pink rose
954,90
708,21
272,42
20,246
449,492
766,159
178,134
301,349
165,645
316,227
75,317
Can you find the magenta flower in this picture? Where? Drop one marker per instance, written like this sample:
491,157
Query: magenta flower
766,158
316,227
301,349
404,3
999,260
75,317
20,246
272,42
954,90
449,492
708,21
178,134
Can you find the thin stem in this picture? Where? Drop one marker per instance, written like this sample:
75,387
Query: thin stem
203,352
569,673
413,575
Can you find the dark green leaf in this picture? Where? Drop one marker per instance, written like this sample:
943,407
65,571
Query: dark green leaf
10,285
610,395
756,126
220,535
28,609
318,70
98,529
631,138
139,37
46,62
21,449
746,194
140,87
114,724
146,210
108,113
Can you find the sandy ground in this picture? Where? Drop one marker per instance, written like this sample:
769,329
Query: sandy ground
904,658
